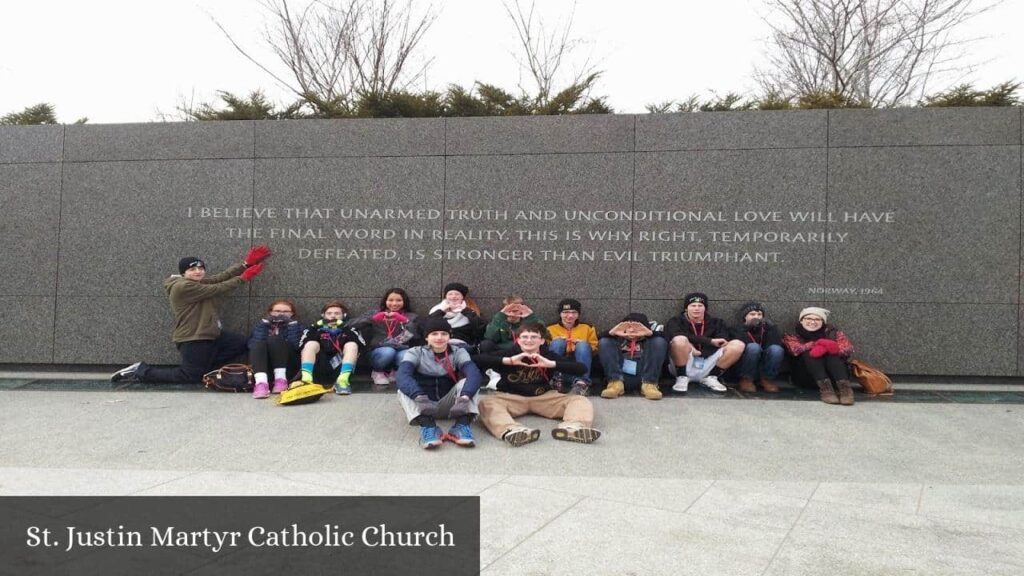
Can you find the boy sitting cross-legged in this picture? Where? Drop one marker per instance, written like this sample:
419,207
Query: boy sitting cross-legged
524,388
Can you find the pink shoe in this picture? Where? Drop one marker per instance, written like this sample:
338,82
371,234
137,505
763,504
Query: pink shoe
280,385
261,390
379,378
392,376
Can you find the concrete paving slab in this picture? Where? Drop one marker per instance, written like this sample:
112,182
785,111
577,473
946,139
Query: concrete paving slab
602,537
833,539
511,514
904,498
765,504
22,481
985,504
400,484
671,494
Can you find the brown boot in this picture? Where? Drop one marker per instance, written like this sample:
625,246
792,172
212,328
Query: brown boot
747,385
828,395
845,393
769,386
613,389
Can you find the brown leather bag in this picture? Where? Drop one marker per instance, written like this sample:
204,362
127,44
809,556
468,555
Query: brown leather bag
230,378
873,380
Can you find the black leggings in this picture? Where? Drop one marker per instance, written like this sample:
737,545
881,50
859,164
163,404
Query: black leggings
810,370
275,349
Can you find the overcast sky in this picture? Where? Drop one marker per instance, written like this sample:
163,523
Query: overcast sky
128,61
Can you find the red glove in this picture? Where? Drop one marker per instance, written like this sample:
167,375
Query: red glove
256,255
818,350
831,346
251,272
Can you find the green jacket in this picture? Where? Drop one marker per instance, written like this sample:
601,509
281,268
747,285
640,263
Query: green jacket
195,303
500,330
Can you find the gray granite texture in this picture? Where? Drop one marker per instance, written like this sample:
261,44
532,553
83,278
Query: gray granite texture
158,141
925,224
125,225
622,212
332,138
26,334
363,215
745,223
125,329
539,135
30,220
730,131
527,208
925,127
31,144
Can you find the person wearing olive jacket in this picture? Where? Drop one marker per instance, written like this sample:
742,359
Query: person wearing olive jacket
195,300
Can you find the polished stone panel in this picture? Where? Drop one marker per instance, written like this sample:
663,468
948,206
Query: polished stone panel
741,224
26,334
926,338
925,127
30,220
917,224
539,224
350,226
125,225
350,137
31,144
731,130
540,134
159,141
123,329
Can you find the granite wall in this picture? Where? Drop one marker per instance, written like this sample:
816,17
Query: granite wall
905,223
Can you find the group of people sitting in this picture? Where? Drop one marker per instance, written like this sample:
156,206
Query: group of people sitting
441,361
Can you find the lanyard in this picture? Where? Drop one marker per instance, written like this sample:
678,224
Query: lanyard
703,326
752,339
632,348
391,326
448,366
570,344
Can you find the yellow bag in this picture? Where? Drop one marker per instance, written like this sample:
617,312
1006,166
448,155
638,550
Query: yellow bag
873,380
300,392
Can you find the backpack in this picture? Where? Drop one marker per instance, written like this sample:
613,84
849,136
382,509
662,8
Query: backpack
230,378
873,380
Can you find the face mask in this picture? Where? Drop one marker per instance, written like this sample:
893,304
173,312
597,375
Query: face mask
279,318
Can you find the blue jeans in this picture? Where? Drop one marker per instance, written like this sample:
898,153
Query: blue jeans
385,358
648,368
581,354
763,361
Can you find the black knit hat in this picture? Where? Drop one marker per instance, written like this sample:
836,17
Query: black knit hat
457,287
693,297
636,317
569,304
189,262
750,307
436,324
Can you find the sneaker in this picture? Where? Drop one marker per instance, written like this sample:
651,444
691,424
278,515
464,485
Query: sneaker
380,378
712,383
461,435
650,391
492,379
580,388
557,383
127,374
575,433
520,435
430,437
392,376
280,385
342,387
682,384
261,390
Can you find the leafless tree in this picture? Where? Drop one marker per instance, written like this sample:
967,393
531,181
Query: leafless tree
879,53
333,50
546,51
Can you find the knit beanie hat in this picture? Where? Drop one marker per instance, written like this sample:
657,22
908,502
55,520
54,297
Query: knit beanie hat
462,288
693,297
750,307
189,262
636,317
569,304
814,310
436,324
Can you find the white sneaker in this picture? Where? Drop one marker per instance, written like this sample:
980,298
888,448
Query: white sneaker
492,379
713,384
379,378
682,384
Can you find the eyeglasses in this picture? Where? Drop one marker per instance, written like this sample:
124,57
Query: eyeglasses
530,337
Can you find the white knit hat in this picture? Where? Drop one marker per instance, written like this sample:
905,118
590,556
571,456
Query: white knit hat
815,311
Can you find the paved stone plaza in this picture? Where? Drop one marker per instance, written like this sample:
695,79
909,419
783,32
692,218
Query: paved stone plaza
928,482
